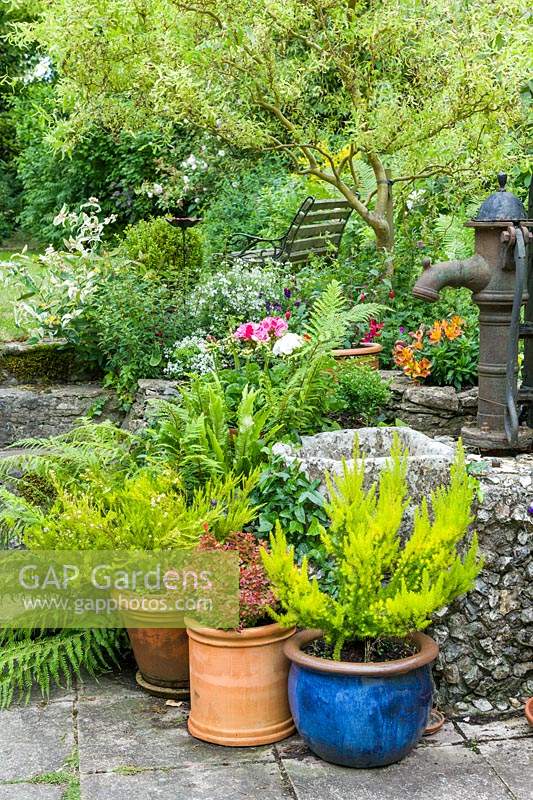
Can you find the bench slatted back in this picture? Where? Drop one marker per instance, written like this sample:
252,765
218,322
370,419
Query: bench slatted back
316,229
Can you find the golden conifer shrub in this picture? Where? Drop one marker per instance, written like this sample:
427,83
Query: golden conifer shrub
385,585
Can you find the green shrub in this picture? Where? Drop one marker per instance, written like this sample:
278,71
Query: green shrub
158,248
134,321
285,493
146,511
362,391
385,586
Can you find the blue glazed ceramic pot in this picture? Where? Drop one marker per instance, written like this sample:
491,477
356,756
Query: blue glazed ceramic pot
360,714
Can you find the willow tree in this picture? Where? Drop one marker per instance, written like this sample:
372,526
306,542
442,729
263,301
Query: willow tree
394,90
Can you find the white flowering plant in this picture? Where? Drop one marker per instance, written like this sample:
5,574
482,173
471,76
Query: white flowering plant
185,183
238,291
192,355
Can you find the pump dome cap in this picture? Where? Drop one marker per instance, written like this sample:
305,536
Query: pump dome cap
502,205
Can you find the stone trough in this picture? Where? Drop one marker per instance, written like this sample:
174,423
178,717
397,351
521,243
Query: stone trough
428,460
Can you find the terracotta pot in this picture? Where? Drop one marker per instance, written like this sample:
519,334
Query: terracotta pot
367,353
360,714
161,653
529,711
239,685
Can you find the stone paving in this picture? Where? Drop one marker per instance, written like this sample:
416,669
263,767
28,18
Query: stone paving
107,740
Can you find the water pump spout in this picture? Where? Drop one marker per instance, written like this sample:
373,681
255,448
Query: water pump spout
473,273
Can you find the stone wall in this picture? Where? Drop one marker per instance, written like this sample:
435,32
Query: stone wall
147,392
29,411
435,410
486,637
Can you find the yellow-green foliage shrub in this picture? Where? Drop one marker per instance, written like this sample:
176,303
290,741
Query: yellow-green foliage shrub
385,586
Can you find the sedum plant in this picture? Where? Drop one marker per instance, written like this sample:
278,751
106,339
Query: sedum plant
384,586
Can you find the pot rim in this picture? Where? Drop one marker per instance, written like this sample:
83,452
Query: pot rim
428,651
529,710
262,634
364,349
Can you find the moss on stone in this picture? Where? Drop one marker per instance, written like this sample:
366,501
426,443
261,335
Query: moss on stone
38,364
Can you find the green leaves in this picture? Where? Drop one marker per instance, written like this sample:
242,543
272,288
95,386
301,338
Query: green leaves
332,317
47,658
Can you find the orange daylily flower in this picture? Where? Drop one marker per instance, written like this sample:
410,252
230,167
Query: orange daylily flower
418,337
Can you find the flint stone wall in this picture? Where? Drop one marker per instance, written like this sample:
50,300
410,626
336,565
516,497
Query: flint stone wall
486,638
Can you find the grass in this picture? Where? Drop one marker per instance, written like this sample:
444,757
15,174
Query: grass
8,329
67,777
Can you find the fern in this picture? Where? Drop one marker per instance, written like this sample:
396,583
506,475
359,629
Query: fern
332,317
46,658
451,235
204,439
87,446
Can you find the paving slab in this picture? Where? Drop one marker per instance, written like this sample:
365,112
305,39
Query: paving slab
447,735
246,782
58,694
35,740
28,791
454,773
294,747
513,761
511,728
112,684
141,731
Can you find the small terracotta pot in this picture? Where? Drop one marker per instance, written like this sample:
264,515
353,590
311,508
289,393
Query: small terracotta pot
239,685
161,653
529,711
367,353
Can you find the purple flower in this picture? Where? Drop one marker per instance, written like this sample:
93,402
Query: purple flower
268,305
530,509
298,303
287,293
402,329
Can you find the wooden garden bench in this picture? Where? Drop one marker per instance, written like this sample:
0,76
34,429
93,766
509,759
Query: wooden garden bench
316,230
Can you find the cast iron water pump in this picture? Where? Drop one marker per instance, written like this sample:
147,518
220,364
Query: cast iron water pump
497,276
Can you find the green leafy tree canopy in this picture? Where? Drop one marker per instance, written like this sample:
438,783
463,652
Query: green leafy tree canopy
351,89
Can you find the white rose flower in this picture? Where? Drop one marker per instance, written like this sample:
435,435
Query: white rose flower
287,344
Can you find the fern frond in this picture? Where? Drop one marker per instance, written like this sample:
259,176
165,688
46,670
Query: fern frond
87,446
332,317
47,658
